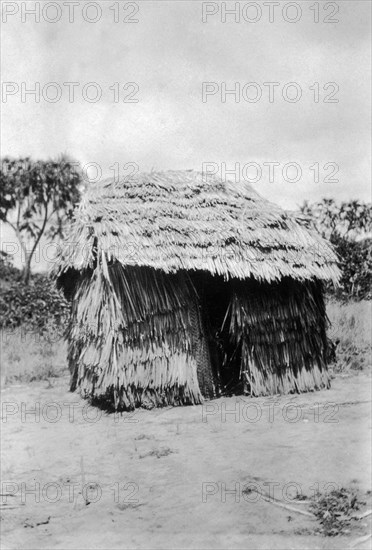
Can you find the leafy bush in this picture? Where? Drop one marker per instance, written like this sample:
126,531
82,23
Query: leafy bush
34,306
356,267
8,272
349,227
32,322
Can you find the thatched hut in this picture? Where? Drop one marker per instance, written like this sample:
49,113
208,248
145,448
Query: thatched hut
184,288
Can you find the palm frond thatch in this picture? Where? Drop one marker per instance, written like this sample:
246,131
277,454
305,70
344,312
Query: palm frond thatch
280,331
175,220
134,339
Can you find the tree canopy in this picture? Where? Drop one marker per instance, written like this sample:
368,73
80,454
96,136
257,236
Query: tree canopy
348,226
36,197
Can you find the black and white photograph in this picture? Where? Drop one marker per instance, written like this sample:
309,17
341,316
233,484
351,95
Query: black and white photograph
185,275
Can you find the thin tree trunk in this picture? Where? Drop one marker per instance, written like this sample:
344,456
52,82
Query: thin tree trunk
27,268
26,272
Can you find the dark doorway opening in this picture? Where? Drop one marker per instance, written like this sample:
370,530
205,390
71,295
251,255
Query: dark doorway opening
214,297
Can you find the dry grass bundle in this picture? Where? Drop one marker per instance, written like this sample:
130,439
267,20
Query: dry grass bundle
281,335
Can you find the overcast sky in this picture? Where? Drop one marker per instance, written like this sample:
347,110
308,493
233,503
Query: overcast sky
168,54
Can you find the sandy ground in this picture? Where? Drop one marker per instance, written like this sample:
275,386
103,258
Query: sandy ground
75,478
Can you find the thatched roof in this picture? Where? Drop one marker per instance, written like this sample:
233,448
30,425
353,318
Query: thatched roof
176,220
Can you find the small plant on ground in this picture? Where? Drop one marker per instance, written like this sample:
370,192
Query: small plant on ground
159,453
335,511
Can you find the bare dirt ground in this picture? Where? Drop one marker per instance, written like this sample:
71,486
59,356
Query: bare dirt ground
75,478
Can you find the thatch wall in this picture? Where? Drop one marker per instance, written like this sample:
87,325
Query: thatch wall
136,339
279,331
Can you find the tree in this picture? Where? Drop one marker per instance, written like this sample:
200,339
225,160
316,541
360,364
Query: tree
35,199
349,228
350,220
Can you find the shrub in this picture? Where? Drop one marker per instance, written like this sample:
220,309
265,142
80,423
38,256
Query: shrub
33,305
348,226
32,322
8,272
356,267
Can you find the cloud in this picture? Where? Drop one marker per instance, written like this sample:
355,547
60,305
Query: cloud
170,53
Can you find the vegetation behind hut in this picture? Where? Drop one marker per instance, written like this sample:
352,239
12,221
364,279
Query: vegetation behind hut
348,226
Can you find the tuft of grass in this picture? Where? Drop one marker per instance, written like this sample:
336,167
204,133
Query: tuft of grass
335,510
351,333
159,453
143,436
28,355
